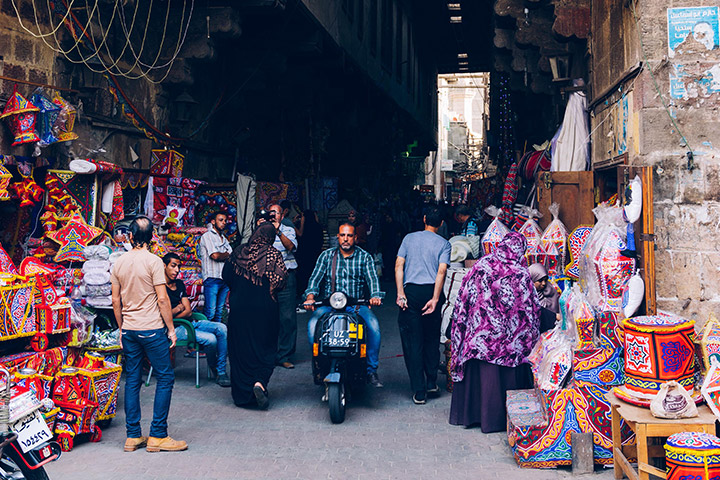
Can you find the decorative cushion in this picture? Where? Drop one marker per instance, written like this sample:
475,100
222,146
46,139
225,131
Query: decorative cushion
692,455
658,349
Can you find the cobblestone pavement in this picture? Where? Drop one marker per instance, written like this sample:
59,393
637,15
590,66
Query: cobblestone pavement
384,436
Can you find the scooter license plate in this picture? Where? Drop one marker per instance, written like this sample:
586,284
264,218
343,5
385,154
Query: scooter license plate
32,431
339,338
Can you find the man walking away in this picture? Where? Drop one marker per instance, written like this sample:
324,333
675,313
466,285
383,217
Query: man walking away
142,310
286,244
213,250
420,269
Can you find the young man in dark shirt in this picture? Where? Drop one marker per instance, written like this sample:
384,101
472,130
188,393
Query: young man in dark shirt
211,335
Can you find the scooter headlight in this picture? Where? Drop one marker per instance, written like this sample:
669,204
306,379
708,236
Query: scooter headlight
338,300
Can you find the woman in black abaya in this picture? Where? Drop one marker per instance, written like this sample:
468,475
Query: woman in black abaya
254,273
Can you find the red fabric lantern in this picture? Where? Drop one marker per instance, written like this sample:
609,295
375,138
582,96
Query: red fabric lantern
21,116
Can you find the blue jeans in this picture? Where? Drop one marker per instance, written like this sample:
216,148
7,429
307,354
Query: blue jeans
215,292
373,332
212,336
155,345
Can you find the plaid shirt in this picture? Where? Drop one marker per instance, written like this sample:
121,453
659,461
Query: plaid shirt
352,274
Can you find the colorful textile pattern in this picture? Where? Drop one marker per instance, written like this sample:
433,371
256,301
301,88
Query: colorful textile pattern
554,243
45,363
118,206
82,190
710,342
711,389
17,312
21,115
175,192
692,455
611,335
575,241
581,408
509,195
214,200
27,191
73,238
531,231
185,245
613,270
268,193
658,349
166,163
494,234
602,366
5,177
497,315
6,263
47,117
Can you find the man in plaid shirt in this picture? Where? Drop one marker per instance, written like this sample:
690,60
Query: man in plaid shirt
354,270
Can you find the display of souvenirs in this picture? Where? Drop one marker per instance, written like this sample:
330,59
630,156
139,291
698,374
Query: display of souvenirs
65,122
535,252
710,342
73,238
692,455
657,349
576,242
554,242
495,232
21,115
166,163
46,118
604,270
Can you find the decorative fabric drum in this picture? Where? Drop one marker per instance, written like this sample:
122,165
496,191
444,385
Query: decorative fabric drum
658,349
692,455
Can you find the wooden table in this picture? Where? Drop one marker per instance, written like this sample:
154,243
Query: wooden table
641,421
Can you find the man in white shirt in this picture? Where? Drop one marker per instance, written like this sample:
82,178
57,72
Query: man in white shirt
214,250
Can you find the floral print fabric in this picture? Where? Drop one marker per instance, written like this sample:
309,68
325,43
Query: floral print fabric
497,315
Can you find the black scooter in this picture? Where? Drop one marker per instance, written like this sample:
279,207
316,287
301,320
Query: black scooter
339,352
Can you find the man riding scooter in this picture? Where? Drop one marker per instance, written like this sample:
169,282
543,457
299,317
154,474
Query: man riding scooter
354,270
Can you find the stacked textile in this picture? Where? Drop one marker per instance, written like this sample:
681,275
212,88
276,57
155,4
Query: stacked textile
184,242
96,276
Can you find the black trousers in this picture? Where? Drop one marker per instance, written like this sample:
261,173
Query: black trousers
287,302
420,336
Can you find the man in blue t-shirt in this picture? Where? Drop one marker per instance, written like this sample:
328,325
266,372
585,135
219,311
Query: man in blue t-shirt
420,269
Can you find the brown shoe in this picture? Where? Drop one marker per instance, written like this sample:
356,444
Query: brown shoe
166,444
287,365
132,444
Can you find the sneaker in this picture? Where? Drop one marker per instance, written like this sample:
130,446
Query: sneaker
132,444
434,390
261,396
223,380
166,444
419,398
373,380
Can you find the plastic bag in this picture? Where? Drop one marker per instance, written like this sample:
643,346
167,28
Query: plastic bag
532,233
495,232
81,324
555,360
604,270
673,401
554,242
105,339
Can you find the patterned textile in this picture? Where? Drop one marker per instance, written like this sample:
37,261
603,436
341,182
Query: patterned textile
352,275
46,118
176,192
214,200
73,238
554,242
323,194
134,180
118,207
497,315
21,115
692,456
576,241
509,195
166,163
601,366
17,312
267,193
710,342
5,177
45,363
6,263
184,245
711,389
658,349
81,189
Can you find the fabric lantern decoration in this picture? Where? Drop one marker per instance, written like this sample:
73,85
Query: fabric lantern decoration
576,242
5,177
47,117
166,163
21,115
27,191
65,121
692,455
495,232
535,253
554,239
73,238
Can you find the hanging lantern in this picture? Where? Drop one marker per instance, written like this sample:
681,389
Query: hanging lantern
21,115
47,117
65,122
5,177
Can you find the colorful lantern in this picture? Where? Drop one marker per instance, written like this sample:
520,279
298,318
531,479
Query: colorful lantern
21,115
5,177
692,455
47,117
166,163
65,121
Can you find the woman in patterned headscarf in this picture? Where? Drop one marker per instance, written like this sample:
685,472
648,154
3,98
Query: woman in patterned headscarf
495,324
255,272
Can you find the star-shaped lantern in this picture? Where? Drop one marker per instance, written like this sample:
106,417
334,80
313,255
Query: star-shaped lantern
73,238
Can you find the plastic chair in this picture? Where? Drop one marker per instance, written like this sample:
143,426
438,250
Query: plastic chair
191,342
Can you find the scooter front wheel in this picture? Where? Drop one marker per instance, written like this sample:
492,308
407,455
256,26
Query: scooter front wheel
336,401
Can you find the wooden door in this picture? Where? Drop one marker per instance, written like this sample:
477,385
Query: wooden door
644,234
573,191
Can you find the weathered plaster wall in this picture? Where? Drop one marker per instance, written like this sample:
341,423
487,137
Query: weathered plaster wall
686,195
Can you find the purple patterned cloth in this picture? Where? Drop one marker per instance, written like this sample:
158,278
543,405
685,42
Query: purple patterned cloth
497,315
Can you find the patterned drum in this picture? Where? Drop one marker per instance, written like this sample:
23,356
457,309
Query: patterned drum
692,455
658,349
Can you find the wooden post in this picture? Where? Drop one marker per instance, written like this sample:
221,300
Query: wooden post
582,453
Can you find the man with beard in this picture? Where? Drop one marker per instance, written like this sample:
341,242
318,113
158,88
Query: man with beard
354,270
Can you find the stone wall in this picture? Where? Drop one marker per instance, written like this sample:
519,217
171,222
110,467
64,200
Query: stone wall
687,190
